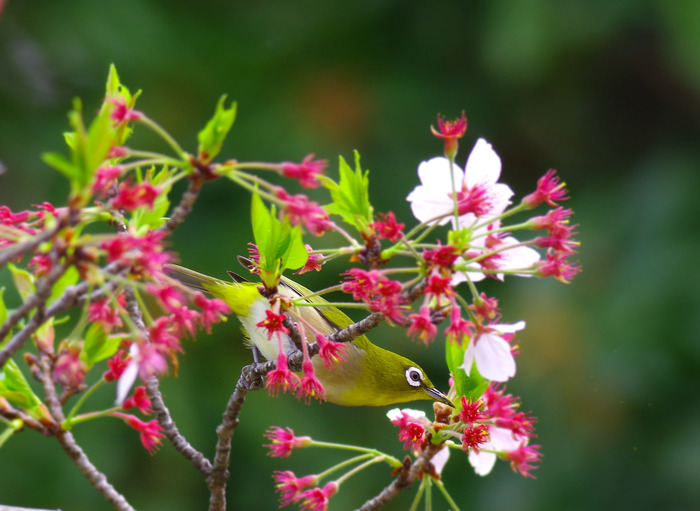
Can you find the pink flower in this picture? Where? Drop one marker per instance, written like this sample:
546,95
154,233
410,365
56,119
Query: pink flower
459,328
117,364
330,352
450,131
139,400
302,211
421,325
170,297
309,387
284,442
316,499
442,257
144,254
150,432
491,352
213,310
290,487
150,360
558,267
122,113
307,172
104,312
549,190
375,289
477,190
133,197
163,333
523,459
472,411
273,323
412,424
280,378
69,370
40,264
439,286
314,262
474,437
388,228
105,177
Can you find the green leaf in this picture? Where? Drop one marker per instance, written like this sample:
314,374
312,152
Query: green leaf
14,388
24,281
472,387
69,278
98,345
279,244
212,137
60,163
3,315
146,219
351,195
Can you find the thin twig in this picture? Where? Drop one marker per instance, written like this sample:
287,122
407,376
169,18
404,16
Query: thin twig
68,443
43,290
216,482
185,206
178,441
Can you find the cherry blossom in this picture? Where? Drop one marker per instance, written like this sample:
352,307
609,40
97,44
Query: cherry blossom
491,352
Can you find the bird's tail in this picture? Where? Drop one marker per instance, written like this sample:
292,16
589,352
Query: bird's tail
193,279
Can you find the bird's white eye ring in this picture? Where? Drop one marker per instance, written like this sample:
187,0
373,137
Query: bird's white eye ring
414,376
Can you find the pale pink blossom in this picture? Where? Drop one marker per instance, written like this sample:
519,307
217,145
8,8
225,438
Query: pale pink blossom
478,192
492,353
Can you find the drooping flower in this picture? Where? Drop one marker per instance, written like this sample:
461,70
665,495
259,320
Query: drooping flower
313,262
307,172
213,310
290,487
281,378
284,441
316,499
475,190
310,387
150,432
491,352
138,400
302,211
421,326
331,353
376,290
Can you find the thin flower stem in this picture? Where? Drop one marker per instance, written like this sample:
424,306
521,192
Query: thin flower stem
346,305
165,136
445,493
373,452
12,426
69,419
361,467
428,493
419,494
342,465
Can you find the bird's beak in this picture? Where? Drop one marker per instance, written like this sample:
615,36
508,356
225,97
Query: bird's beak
439,396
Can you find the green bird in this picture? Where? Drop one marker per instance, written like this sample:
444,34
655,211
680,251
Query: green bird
367,376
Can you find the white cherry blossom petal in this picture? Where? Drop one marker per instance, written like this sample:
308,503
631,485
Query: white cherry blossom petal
483,165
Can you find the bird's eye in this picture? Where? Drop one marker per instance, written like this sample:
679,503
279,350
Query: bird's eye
414,377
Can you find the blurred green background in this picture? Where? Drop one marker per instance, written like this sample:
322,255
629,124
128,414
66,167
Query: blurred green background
607,92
